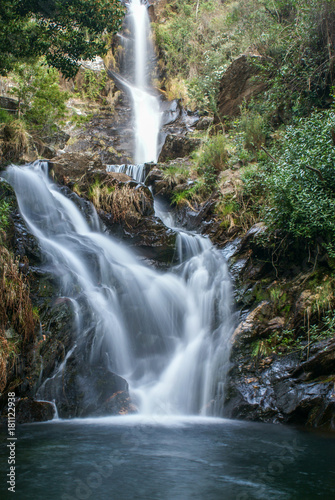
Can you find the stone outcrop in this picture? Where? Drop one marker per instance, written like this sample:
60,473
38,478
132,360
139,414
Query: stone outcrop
274,376
177,146
240,82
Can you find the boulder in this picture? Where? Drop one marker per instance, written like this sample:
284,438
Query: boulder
239,83
83,389
8,104
69,168
28,410
178,146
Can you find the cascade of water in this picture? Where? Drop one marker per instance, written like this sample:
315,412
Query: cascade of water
137,172
165,333
147,114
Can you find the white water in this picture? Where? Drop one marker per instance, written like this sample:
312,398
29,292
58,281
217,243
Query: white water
147,114
165,333
137,172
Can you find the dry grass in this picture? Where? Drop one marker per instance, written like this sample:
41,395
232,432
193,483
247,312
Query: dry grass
176,89
16,312
15,305
15,141
8,354
121,202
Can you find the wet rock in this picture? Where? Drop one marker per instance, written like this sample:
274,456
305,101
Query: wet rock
321,364
239,84
118,403
152,239
155,174
27,410
177,146
279,388
88,390
108,133
250,328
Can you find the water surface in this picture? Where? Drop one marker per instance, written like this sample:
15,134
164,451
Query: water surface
184,458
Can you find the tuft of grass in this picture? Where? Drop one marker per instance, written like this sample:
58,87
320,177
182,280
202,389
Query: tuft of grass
120,202
175,174
14,135
8,355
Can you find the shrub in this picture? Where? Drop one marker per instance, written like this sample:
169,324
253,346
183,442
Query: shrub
41,100
5,117
252,124
302,182
4,213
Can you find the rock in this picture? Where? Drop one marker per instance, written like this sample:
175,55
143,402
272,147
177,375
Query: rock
204,123
251,326
238,84
321,364
69,168
27,410
118,403
8,104
149,235
57,138
177,146
156,174
83,389
108,133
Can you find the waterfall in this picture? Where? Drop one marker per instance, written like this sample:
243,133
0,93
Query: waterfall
166,333
136,76
137,172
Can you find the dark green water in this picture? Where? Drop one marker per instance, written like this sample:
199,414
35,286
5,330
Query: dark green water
125,458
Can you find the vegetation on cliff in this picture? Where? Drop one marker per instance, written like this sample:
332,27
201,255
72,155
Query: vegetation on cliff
64,31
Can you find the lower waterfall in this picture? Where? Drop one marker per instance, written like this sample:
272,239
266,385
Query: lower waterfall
166,333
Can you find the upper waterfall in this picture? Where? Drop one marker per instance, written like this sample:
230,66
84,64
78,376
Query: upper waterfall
136,74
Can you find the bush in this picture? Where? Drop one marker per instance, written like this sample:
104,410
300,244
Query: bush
252,124
302,182
4,213
41,100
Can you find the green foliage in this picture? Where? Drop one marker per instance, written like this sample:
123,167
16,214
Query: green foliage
302,200
213,159
5,117
175,174
296,38
190,48
93,84
4,213
252,124
195,194
260,348
64,31
41,100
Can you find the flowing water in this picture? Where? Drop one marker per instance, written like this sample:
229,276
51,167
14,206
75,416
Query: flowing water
166,333
136,77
